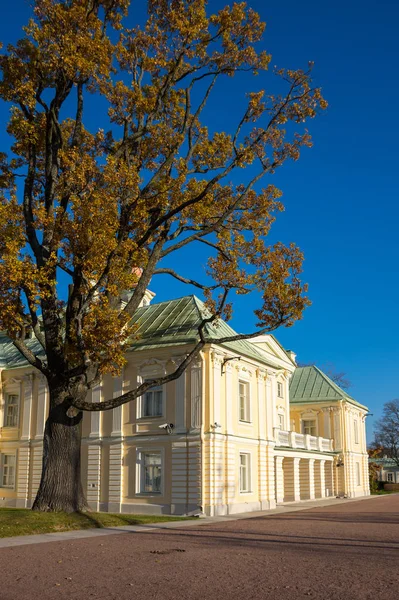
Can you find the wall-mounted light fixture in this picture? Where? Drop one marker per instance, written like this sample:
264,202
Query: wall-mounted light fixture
215,425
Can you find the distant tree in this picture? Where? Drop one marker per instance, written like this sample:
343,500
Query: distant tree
386,430
338,377
374,468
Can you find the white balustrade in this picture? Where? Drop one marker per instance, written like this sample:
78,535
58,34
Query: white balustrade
291,439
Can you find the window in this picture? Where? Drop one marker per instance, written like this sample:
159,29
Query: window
243,392
245,472
280,389
8,471
281,421
357,473
309,426
152,402
390,478
151,472
11,410
356,432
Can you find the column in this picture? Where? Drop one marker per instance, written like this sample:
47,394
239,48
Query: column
270,475
327,422
115,478
196,395
94,475
42,402
337,428
307,485
27,407
94,455
311,479
262,450
217,361
23,476
320,479
180,398
95,415
37,464
117,412
186,477
24,450
279,479
365,458
270,409
329,478
292,489
229,397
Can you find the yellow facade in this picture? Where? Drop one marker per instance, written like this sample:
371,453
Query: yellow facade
221,439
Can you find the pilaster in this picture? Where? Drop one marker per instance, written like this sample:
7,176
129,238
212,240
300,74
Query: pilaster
115,481
196,395
180,398
94,476
42,402
279,479
23,476
217,361
27,407
117,412
95,415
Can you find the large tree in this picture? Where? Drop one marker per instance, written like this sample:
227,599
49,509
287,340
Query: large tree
386,431
106,205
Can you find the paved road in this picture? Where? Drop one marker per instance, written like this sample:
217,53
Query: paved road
347,551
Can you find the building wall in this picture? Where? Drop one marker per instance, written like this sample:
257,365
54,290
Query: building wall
344,423
211,448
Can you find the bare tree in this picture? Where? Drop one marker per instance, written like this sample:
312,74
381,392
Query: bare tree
386,430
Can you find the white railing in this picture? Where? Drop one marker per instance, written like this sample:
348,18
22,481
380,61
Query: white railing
291,439
299,440
283,438
326,445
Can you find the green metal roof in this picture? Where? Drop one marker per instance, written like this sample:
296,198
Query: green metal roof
159,325
10,357
385,462
310,384
175,322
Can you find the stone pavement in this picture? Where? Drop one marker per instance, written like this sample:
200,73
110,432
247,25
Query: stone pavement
94,533
338,550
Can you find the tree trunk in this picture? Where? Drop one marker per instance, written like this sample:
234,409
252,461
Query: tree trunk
60,485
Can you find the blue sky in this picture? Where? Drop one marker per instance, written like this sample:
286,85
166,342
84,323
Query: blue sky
342,196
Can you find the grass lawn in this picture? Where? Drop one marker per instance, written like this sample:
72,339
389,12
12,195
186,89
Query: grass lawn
16,521
382,492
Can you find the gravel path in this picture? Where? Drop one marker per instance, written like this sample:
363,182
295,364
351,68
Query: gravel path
347,551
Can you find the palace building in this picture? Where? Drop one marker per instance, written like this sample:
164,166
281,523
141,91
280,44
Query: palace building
243,429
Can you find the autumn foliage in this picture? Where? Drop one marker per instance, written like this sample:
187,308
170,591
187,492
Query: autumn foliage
105,204
147,182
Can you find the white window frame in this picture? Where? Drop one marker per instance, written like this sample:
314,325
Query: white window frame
247,399
314,427
12,393
391,477
356,430
4,471
151,391
246,480
141,400
140,471
280,389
